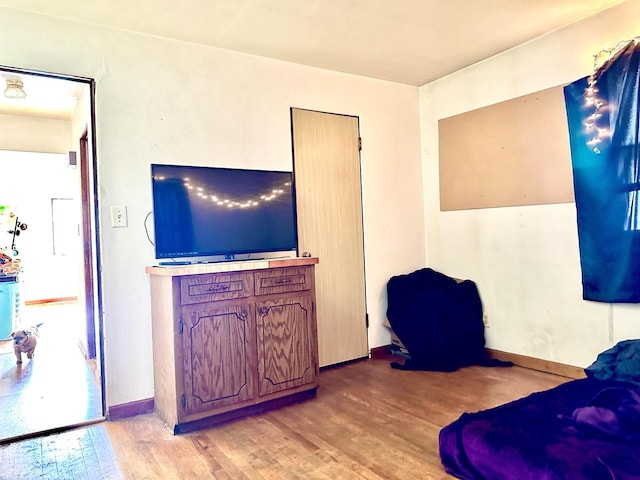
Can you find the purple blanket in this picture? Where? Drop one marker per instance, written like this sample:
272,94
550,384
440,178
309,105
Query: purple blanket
585,429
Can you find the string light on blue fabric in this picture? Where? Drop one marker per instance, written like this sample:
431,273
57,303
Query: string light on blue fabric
596,104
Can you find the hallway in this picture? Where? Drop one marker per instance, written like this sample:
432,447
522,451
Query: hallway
56,388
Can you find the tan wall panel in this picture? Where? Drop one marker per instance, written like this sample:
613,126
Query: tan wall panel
512,153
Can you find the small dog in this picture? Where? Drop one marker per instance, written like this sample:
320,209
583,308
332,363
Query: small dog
25,341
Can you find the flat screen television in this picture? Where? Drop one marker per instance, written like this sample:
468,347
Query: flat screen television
221,212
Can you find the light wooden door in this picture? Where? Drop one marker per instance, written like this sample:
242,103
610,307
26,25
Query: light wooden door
329,203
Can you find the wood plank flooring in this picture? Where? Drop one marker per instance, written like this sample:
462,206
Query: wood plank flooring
83,453
368,421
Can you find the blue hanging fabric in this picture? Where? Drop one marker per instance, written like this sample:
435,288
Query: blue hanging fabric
602,113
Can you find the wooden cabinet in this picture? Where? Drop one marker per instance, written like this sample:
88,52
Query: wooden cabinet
231,342
218,356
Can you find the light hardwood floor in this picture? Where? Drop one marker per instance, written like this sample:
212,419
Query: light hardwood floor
54,389
368,421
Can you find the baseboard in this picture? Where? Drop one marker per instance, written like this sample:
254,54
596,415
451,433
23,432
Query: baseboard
130,409
231,415
146,406
532,363
45,301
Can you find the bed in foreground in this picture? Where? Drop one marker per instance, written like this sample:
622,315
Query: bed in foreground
587,429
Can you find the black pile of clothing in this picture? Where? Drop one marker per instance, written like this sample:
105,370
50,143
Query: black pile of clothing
439,321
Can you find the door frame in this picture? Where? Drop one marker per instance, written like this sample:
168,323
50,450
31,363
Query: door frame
85,186
92,241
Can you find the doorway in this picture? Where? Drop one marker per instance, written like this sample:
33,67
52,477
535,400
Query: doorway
329,211
62,386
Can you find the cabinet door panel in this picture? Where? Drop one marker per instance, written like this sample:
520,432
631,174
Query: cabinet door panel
218,356
287,349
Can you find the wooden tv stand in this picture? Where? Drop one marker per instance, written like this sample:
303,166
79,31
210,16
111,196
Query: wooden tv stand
232,338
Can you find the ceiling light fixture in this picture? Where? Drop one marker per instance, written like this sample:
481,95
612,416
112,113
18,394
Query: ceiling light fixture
14,89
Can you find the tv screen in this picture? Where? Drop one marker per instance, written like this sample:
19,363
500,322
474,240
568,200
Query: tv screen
210,211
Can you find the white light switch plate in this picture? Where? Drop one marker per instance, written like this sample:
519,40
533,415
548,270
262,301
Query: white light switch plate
118,217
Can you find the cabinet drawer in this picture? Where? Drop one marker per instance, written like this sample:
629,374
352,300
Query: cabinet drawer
215,287
283,280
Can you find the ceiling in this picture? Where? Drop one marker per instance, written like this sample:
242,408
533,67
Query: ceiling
411,42
46,97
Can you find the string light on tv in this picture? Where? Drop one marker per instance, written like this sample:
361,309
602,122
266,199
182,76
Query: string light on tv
233,203
238,203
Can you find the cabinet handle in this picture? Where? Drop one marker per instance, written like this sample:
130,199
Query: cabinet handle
263,311
243,314
217,287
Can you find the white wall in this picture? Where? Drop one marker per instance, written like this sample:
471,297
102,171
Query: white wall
81,122
170,102
28,134
33,159
525,260
34,180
